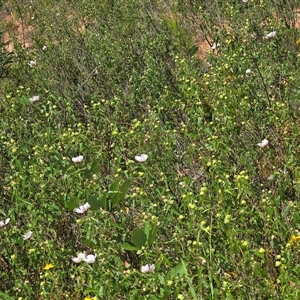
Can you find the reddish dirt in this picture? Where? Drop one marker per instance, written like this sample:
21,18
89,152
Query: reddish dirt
203,49
297,18
18,29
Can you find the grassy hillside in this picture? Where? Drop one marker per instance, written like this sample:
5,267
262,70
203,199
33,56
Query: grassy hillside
208,91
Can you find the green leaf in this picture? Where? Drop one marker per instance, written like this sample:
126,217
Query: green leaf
114,187
19,165
87,174
5,296
16,238
120,193
139,238
147,228
94,202
103,201
115,199
129,246
95,167
124,188
179,269
71,203
88,242
152,234
191,288
113,192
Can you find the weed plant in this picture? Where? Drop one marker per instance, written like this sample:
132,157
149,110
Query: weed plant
210,211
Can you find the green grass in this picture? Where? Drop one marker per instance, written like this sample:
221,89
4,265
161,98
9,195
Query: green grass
216,214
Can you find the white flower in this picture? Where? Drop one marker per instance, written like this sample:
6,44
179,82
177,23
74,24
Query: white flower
34,99
32,63
44,48
203,260
248,71
27,235
263,143
90,259
4,223
76,260
244,1
81,255
77,159
271,34
79,258
215,46
82,208
147,268
141,158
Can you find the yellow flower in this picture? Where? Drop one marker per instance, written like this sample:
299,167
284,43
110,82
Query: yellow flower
90,298
294,239
48,266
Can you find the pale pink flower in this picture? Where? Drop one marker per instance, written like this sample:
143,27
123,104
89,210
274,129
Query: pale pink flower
141,158
4,223
215,46
27,235
147,268
90,259
271,34
32,63
263,143
34,99
77,159
82,208
203,260
79,258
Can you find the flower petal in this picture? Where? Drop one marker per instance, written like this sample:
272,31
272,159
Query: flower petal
79,210
263,143
34,99
27,235
82,208
81,255
90,259
76,260
141,158
271,34
3,223
32,63
147,268
77,159
86,206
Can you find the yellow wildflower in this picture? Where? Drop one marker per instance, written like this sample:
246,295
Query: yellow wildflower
294,239
90,298
48,266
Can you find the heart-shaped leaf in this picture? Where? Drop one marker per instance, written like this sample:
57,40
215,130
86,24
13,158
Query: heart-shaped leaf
152,234
94,202
124,188
129,246
139,238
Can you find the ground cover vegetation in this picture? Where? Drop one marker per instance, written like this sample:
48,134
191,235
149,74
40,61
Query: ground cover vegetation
149,149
